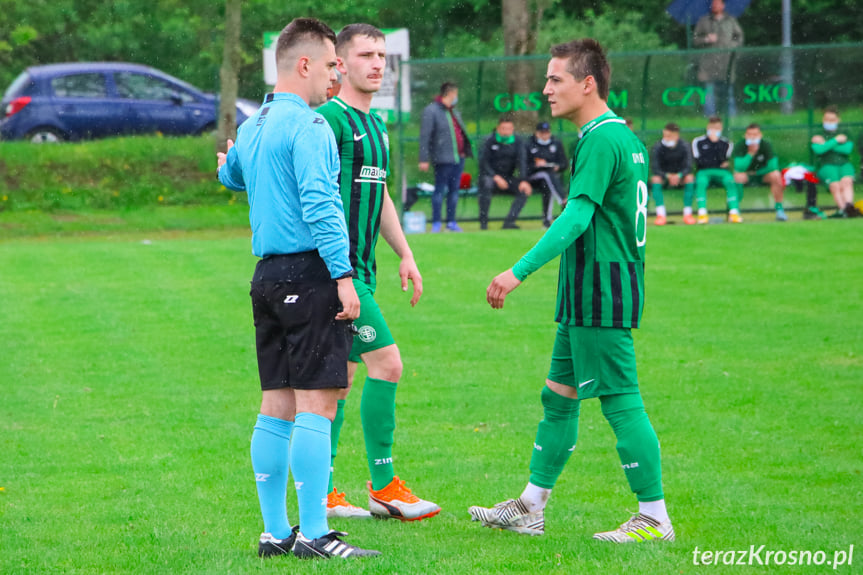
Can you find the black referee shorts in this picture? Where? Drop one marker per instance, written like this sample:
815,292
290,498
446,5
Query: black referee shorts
300,344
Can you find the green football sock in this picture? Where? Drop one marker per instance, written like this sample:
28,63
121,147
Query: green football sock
555,438
637,444
733,197
378,411
656,192
701,195
688,194
334,437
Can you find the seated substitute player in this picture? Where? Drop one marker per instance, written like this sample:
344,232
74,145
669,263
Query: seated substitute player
502,154
363,144
832,149
671,163
754,158
712,154
546,158
286,160
601,235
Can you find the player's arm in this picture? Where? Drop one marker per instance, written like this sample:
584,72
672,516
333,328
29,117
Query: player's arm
653,157
687,161
426,133
392,232
844,148
742,159
563,231
230,171
316,165
591,177
821,148
485,158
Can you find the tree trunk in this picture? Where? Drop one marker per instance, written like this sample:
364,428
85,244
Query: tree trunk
519,39
227,127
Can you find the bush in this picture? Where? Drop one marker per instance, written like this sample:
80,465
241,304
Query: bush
110,174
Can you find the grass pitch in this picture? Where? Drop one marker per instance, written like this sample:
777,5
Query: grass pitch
129,391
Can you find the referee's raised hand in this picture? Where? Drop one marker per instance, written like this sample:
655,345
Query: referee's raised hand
349,298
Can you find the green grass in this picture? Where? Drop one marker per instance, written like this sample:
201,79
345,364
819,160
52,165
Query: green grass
130,390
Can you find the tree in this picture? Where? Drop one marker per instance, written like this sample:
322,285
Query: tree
521,21
228,75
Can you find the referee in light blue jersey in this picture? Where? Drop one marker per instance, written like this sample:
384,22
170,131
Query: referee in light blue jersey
303,298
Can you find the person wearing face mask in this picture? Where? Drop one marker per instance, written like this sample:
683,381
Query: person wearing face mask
754,157
444,143
546,158
832,149
671,163
502,155
712,154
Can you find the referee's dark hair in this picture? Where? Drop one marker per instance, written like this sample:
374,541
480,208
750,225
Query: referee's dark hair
586,58
348,32
447,87
299,31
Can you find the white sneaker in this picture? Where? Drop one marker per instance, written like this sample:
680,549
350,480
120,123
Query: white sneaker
638,529
338,506
511,515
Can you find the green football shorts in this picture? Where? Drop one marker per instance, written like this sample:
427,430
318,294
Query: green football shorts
831,174
596,361
373,331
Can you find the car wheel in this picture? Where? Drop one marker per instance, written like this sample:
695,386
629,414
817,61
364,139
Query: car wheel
45,136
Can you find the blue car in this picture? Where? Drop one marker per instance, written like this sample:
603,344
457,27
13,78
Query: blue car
60,102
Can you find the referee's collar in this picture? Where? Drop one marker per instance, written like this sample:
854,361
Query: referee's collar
284,96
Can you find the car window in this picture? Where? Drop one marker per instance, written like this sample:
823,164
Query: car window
141,87
79,86
16,86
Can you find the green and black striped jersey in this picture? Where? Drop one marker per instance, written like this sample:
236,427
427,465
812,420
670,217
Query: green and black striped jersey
601,280
365,155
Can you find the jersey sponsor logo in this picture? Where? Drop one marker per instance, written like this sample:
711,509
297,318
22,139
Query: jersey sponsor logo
582,384
358,137
262,477
291,298
384,461
633,465
367,334
372,172
637,158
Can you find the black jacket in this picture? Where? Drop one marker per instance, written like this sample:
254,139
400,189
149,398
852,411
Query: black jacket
709,154
503,159
676,160
552,153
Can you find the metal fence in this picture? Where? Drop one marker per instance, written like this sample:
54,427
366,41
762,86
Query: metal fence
783,89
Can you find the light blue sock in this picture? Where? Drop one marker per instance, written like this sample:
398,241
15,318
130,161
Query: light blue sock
270,455
310,464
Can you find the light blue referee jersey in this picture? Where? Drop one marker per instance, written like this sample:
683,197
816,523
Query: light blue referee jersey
286,159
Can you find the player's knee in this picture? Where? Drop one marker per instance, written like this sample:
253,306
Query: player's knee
387,364
741,178
688,179
655,179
